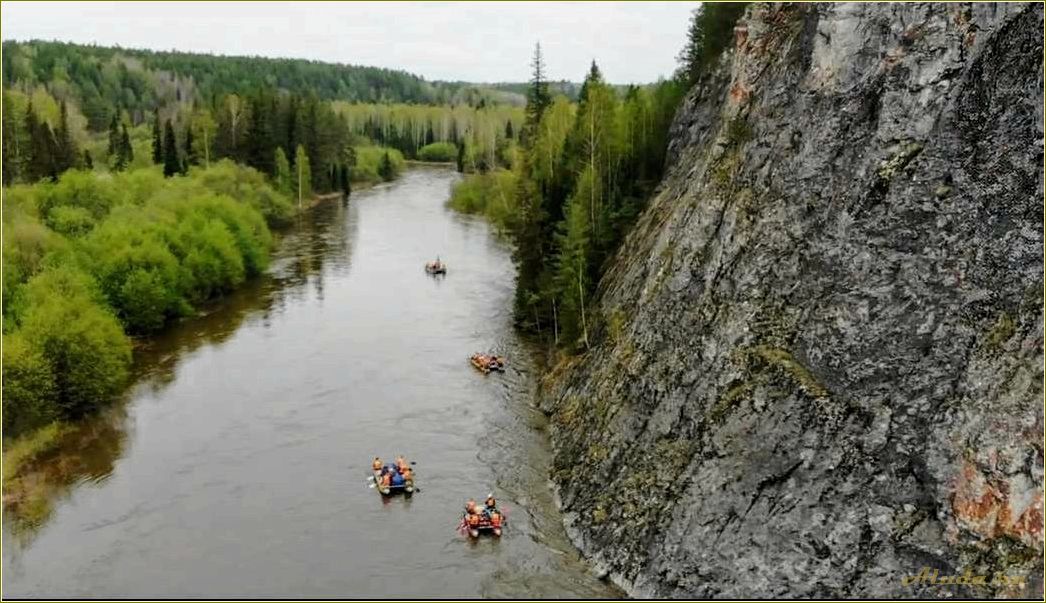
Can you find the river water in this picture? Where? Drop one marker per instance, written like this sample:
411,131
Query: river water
236,468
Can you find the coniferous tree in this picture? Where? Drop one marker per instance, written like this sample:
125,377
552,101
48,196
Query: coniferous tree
461,157
293,124
259,139
509,134
710,32
346,184
39,162
88,163
538,97
158,149
171,164
66,154
190,151
386,170
124,152
12,159
114,135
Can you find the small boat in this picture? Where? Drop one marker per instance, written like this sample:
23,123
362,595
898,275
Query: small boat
486,521
487,363
396,484
436,267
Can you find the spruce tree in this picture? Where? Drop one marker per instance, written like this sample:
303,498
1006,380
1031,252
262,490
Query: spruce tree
190,154
461,157
157,140
346,185
509,134
711,30
124,152
538,97
11,159
38,153
386,170
114,135
66,154
88,163
171,165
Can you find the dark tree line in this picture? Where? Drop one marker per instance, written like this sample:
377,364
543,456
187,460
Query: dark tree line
39,152
107,80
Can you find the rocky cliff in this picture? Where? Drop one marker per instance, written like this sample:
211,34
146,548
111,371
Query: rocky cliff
820,364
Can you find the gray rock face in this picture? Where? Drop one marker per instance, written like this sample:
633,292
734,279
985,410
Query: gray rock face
820,360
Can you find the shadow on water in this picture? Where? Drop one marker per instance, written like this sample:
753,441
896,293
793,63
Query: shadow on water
87,452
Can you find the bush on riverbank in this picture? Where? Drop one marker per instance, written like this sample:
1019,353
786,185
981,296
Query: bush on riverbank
446,152
491,194
92,258
369,160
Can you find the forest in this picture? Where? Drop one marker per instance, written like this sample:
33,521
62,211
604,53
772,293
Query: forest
114,229
583,173
138,185
99,79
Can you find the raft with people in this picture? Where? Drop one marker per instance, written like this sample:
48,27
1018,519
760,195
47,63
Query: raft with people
437,267
487,362
393,478
482,519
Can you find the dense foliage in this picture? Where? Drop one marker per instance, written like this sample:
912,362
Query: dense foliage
102,79
581,177
574,189
438,151
91,258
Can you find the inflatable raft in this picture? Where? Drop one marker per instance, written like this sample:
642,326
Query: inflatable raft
397,483
486,364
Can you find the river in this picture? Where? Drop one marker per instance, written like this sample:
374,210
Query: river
236,467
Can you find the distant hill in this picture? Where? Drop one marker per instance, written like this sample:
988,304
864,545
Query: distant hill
98,78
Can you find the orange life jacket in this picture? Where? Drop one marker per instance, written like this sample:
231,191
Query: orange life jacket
406,473
473,519
386,479
495,519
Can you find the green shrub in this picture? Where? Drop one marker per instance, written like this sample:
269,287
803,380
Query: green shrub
438,151
246,185
492,194
70,220
137,251
369,160
79,189
29,387
80,341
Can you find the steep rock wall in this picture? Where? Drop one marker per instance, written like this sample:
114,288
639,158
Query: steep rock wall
820,358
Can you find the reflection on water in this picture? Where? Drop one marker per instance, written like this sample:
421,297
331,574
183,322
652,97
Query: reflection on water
237,465
323,237
87,451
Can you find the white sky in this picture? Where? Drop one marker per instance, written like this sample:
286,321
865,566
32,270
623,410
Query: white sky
471,41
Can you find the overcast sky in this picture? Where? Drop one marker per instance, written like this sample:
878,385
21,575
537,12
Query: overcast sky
472,41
